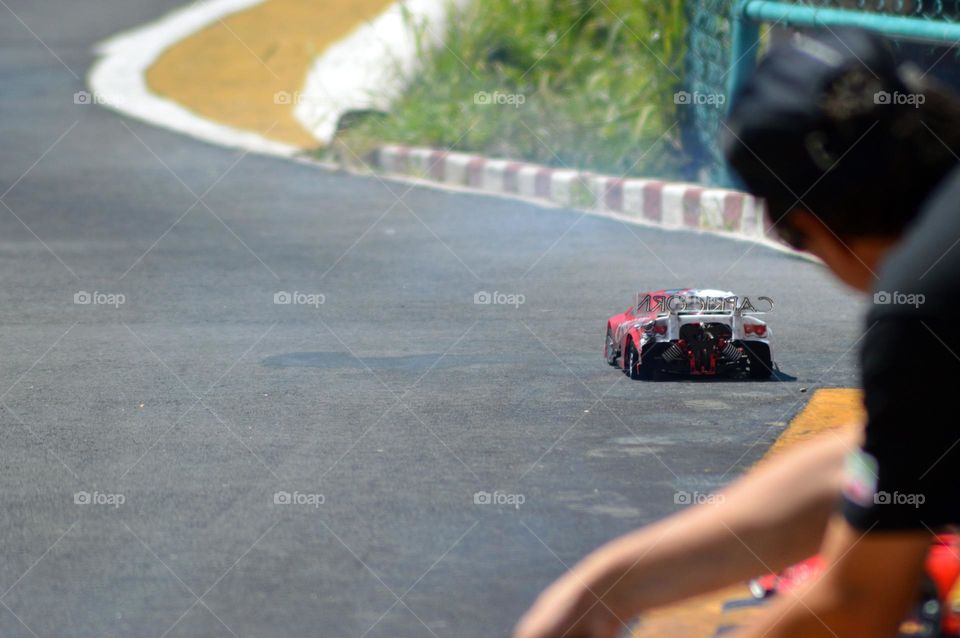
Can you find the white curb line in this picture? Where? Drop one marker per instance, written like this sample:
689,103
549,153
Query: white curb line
368,69
118,78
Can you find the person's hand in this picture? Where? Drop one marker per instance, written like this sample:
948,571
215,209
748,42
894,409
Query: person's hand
572,607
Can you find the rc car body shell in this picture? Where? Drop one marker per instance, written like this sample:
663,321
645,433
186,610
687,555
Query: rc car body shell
674,330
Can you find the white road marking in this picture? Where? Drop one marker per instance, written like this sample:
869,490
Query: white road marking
370,67
118,78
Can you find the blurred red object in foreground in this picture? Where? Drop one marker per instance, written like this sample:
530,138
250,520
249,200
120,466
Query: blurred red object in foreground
937,612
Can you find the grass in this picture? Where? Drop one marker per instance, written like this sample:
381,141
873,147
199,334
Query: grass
585,84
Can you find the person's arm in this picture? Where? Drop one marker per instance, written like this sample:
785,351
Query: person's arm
771,518
868,585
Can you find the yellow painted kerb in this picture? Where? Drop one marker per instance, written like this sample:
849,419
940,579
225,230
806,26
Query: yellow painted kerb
232,71
828,409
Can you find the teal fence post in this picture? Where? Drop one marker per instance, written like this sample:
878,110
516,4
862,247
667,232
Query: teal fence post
744,41
745,38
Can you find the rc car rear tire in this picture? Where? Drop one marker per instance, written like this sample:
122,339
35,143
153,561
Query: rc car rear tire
633,362
636,368
759,361
610,349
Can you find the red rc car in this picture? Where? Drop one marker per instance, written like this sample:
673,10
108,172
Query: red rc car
699,332
937,611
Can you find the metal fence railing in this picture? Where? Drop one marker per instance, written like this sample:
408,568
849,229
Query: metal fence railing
725,39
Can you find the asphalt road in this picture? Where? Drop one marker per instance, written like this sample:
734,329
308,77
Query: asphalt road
198,399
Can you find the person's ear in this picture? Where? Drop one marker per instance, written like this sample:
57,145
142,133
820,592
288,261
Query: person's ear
839,255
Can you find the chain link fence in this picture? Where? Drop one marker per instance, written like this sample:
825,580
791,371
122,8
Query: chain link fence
712,58
707,68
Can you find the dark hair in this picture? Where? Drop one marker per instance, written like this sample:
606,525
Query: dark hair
861,162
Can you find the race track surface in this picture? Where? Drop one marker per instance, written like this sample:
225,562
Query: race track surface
397,399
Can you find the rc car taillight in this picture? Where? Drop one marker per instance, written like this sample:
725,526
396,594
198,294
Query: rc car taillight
756,329
660,329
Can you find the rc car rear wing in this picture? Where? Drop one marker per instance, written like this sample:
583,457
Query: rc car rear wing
708,305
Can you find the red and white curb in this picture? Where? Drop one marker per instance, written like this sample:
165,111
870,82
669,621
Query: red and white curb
648,201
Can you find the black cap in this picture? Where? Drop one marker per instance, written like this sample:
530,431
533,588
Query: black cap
814,120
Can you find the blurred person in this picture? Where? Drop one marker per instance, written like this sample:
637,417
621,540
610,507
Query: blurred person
855,156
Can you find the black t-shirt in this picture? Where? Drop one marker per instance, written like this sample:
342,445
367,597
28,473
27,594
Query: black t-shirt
907,475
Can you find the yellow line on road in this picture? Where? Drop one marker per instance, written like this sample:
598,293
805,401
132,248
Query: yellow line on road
828,409
231,71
